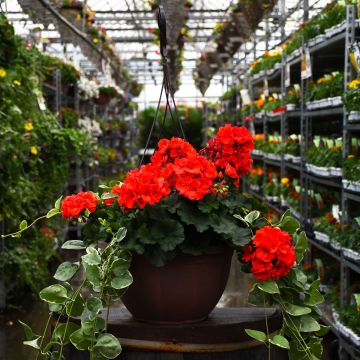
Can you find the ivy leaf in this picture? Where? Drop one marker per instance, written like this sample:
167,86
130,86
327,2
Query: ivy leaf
54,294
29,334
63,332
119,266
269,286
280,341
23,225
58,203
75,307
80,340
73,245
312,295
306,323
94,305
120,234
52,213
301,246
252,216
296,310
257,335
108,196
92,257
66,271
92,274
122,282
108,346
33,343
323,330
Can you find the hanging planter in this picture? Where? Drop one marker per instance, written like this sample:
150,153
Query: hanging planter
185,290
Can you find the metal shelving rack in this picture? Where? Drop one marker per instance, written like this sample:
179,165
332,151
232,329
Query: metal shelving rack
306,119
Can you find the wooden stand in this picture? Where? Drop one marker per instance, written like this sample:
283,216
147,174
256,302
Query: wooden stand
220,337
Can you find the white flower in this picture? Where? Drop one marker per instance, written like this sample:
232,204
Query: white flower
88,89
90,127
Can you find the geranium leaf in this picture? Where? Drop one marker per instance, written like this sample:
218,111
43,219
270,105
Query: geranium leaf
280,341
289,224
75,307
54,294
257,335
94,305
62,332
92,274
92,257
301,246
119,266
269,286
66,271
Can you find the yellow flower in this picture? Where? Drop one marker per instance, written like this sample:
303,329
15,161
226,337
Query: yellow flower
351,156
17,82
285,181
95,40
354,84
78,17
28,126
2,73
34,150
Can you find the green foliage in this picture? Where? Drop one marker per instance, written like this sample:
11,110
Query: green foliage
191,120
351,97
330,85
107,278
325,152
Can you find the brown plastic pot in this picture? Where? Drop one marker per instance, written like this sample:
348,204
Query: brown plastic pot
184,291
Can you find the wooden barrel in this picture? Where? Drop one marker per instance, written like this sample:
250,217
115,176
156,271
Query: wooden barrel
221,336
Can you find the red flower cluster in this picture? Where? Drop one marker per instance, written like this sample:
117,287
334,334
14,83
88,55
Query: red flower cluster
271,254
194,176
72,206
230,150
143,187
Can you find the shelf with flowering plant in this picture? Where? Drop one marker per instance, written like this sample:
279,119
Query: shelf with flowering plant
181,207
273,148
351,168
272,189
268,61
351,100
291,148
259,106
273,105
324,157
294,197
255,178
327,229
259,141
327,91
292,98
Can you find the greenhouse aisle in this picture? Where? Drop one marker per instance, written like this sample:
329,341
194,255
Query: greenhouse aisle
179,179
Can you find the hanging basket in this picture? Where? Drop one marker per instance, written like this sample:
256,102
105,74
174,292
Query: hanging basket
185,290
175,19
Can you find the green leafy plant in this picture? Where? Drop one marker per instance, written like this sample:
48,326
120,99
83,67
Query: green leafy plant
330,85
325,152
351,96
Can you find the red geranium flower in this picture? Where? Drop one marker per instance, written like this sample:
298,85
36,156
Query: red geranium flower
169,150
230,150
72,206
116,191
194,176
143,187
271,253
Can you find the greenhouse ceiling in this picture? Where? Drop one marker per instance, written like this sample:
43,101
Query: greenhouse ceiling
130,24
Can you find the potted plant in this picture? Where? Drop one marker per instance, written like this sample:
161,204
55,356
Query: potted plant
184,214
292,98
106,93
291,148
351,168
351,99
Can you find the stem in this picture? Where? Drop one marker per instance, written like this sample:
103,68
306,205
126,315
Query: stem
27,227
43,336
68,317
267,331
107,314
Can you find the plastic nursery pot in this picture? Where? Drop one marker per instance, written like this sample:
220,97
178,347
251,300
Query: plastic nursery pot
185,290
